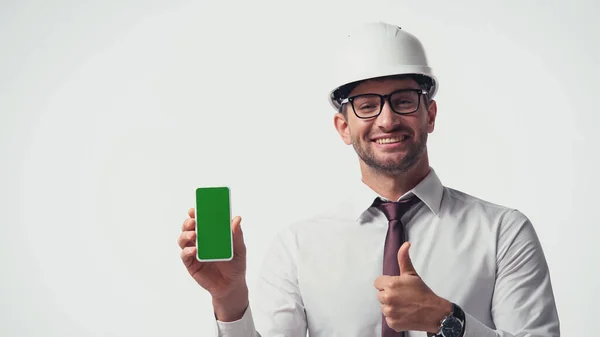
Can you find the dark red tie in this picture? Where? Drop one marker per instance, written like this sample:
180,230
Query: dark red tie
395,237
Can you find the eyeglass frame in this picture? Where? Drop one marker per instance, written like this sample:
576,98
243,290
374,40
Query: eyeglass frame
383,99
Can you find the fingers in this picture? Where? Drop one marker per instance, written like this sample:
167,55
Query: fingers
382,297
188,225
404,261
382,282
236,225
388,311
187,239
192,213
239,247
188,256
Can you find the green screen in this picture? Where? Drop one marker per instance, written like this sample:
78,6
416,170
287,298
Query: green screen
213,223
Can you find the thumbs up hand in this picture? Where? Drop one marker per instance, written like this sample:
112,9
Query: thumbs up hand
407,303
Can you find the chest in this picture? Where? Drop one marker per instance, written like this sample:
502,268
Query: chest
338,271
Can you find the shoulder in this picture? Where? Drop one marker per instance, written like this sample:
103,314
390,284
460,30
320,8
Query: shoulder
458,200
507,223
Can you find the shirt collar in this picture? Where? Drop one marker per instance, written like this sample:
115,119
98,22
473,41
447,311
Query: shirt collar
430,190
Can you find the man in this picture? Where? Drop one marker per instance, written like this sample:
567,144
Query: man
435,262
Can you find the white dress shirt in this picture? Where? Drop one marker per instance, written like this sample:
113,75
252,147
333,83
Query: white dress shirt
318,276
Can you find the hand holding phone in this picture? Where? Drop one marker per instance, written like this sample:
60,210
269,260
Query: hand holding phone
214,252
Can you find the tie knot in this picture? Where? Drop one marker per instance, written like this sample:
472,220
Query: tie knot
394,210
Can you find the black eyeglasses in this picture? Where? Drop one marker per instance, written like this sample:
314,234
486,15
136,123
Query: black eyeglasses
403,102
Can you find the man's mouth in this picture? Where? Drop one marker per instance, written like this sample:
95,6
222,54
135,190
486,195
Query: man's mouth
391,140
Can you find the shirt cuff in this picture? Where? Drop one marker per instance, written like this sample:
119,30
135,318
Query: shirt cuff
474,328
244,327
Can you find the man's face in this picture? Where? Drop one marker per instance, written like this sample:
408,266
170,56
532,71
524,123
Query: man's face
390,143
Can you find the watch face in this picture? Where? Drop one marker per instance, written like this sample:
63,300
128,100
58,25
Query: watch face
452,327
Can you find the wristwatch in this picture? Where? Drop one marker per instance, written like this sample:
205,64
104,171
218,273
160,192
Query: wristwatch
452,325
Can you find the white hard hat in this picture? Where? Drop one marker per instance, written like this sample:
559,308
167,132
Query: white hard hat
377,50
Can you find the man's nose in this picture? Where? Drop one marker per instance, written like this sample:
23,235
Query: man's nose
387,119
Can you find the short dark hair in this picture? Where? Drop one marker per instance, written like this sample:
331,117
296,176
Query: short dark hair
344,91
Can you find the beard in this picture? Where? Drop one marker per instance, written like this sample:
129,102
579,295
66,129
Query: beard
392,166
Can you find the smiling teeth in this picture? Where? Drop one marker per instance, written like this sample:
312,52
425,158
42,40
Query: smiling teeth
388,140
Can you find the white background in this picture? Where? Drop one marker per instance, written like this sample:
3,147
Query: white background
111,113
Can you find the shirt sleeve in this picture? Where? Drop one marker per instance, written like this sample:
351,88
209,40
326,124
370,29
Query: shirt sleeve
523,303
276,308
244,327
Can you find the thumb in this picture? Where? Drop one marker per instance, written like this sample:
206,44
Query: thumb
404,262
239,247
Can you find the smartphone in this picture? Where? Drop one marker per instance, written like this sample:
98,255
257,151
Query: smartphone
214,239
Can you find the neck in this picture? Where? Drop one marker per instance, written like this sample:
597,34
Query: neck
393,186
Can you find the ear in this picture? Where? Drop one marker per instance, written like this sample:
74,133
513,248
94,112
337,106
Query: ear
341,125
431,115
